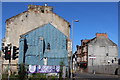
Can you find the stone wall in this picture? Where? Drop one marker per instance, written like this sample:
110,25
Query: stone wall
105,69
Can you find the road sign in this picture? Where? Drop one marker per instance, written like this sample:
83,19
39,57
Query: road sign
92,57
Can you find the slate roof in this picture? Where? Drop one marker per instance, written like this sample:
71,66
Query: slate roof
101,41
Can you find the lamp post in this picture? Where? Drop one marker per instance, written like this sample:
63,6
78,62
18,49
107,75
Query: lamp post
72,26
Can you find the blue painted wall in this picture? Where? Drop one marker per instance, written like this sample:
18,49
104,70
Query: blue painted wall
37,47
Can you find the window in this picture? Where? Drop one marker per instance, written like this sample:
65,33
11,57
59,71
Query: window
3,44
115,59
107,54
42,11
112,61
45,60
48,46
26,16
108,61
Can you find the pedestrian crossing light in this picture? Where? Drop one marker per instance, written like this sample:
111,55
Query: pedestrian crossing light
83,65
15,52
7,52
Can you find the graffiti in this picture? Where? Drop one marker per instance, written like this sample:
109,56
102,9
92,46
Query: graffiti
43,69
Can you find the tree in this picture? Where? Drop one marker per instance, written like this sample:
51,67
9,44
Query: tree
61,69
22,72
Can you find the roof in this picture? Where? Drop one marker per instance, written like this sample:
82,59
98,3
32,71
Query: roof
85,41
101,41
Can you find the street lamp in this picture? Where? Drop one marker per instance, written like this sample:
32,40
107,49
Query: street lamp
72,25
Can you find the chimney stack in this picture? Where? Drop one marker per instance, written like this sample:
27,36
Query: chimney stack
101,34
43,9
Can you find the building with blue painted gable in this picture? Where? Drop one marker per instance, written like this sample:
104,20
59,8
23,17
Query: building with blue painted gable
46,45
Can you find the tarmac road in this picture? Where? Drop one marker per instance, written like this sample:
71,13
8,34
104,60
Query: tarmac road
88,76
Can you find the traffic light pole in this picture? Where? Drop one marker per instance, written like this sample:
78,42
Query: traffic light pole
9,62
7,52
9,69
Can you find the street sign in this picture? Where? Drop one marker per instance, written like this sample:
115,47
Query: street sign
92,57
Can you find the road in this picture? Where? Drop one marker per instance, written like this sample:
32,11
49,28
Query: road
88,76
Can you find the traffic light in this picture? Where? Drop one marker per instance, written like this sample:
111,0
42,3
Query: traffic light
15,51
3,49
83,65
7,53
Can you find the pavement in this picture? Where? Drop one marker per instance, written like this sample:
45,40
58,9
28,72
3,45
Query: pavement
89,76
